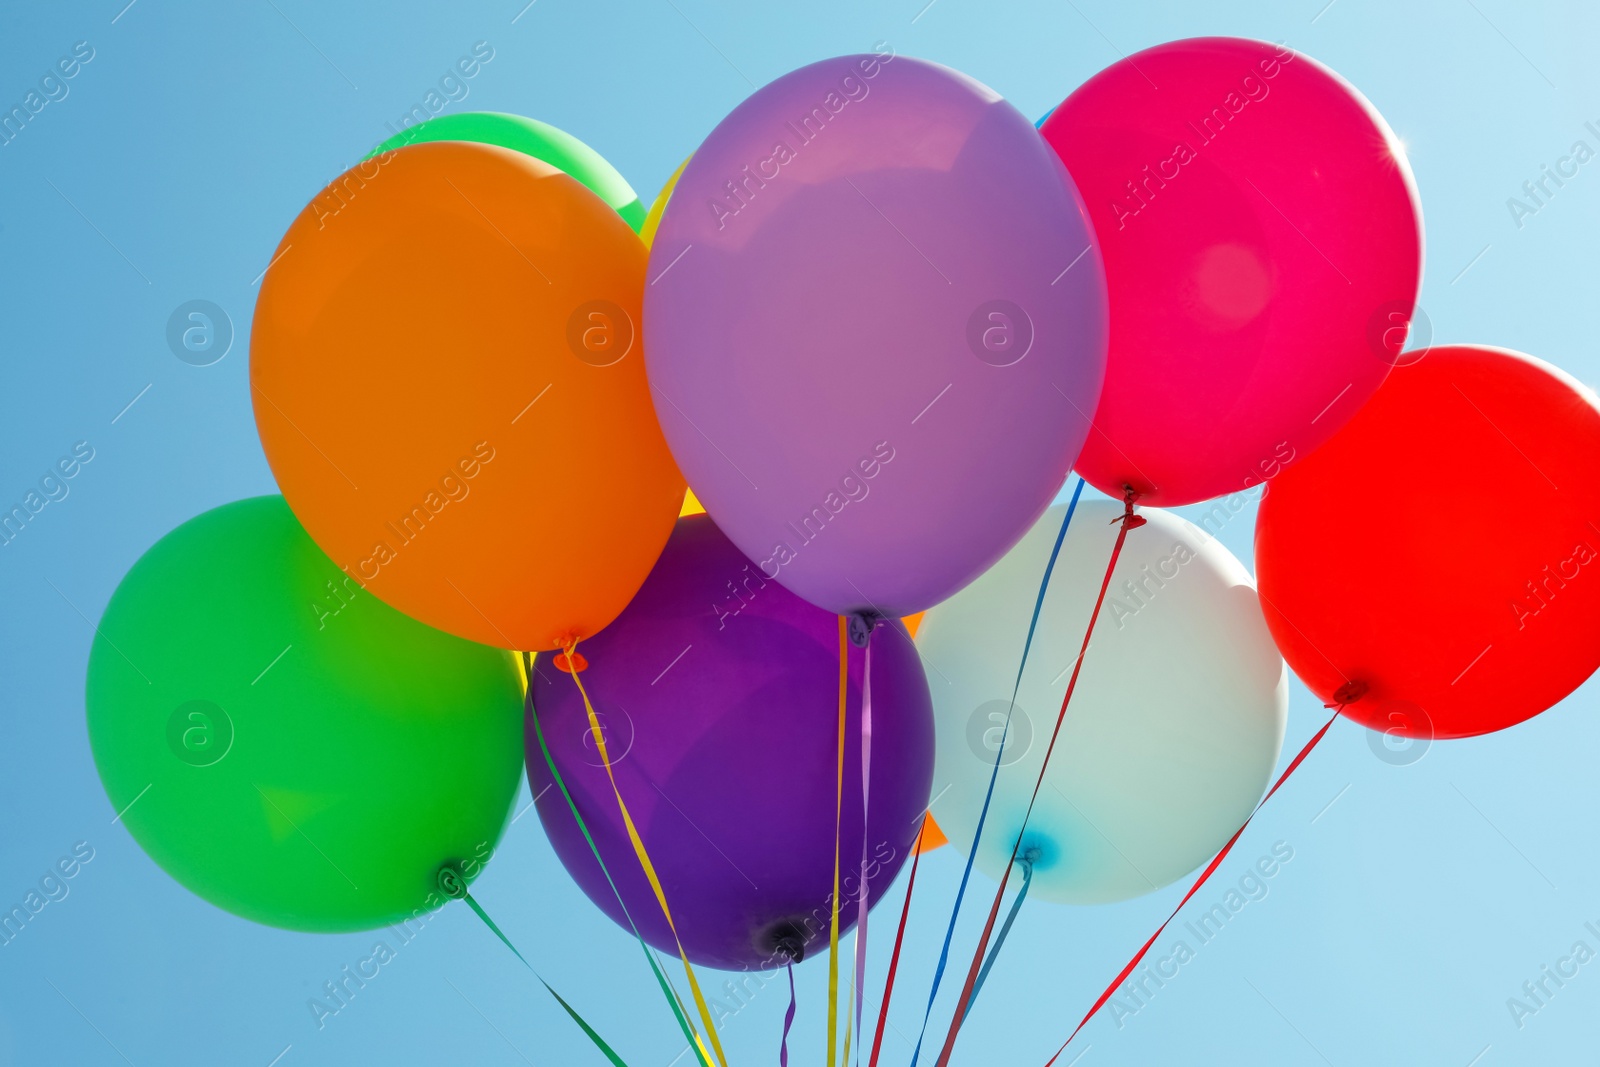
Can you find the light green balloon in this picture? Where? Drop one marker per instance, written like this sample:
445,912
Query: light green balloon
286,745
533,138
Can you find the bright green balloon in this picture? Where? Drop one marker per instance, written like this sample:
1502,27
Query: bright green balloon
288,746
532,138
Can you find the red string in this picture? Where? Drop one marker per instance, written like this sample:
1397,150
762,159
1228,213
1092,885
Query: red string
1204,877
1127,521
894,959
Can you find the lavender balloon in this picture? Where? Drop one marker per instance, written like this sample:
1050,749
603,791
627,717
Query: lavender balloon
717,692
875,329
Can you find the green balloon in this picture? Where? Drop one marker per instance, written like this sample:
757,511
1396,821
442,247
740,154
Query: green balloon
532,138
288,746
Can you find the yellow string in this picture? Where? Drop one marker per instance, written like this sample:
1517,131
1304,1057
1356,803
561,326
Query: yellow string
705,1057
644,858
838,817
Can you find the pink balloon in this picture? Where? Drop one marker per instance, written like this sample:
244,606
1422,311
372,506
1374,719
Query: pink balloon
1262,241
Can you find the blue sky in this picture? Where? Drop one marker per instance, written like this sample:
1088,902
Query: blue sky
1420,896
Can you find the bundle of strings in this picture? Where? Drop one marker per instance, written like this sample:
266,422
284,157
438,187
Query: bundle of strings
1126,522
682,1018
994,772
643,856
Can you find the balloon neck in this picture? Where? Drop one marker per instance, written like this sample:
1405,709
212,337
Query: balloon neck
1129,520
1348,693
787,942
860,627
1028,857
452,883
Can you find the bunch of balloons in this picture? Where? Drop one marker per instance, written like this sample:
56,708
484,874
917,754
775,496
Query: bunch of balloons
875,321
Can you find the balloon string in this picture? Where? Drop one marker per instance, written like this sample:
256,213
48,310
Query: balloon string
861,902
1204,877
599,1042
838,817
788,1021
704,1055
1005,930
994,772
1125,522
894,958
689,1033
644,856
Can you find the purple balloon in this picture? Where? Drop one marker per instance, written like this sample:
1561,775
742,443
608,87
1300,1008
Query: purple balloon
718,695
875,310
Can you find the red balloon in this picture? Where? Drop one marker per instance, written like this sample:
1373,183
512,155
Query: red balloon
1467,598
1262,243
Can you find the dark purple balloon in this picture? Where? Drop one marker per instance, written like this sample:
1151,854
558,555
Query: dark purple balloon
717,690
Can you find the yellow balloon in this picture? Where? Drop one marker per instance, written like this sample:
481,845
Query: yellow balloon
652,222
647,233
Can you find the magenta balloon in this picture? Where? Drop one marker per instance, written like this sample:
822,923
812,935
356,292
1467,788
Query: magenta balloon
875,329
717,691
1263,248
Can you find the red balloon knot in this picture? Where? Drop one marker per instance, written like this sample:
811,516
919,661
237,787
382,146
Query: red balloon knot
1129,520
1348,693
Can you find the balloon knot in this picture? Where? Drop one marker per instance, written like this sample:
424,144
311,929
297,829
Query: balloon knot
788,942
451,882
860,626
569,662
1129,520
1348,693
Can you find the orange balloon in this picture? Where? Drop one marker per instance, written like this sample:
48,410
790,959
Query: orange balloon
931,836
449,384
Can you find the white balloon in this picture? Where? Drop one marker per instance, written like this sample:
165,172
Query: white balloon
1174,728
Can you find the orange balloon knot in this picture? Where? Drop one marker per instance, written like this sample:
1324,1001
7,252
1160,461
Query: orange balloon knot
570,662
1348,693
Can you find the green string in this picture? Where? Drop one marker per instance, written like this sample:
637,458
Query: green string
451,877
555,773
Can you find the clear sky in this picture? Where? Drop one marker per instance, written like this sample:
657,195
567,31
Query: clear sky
1419,897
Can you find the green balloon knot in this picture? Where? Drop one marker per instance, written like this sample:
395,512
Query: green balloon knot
452,883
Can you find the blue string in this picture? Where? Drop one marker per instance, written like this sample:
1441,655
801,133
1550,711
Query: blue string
1005,930
994,773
